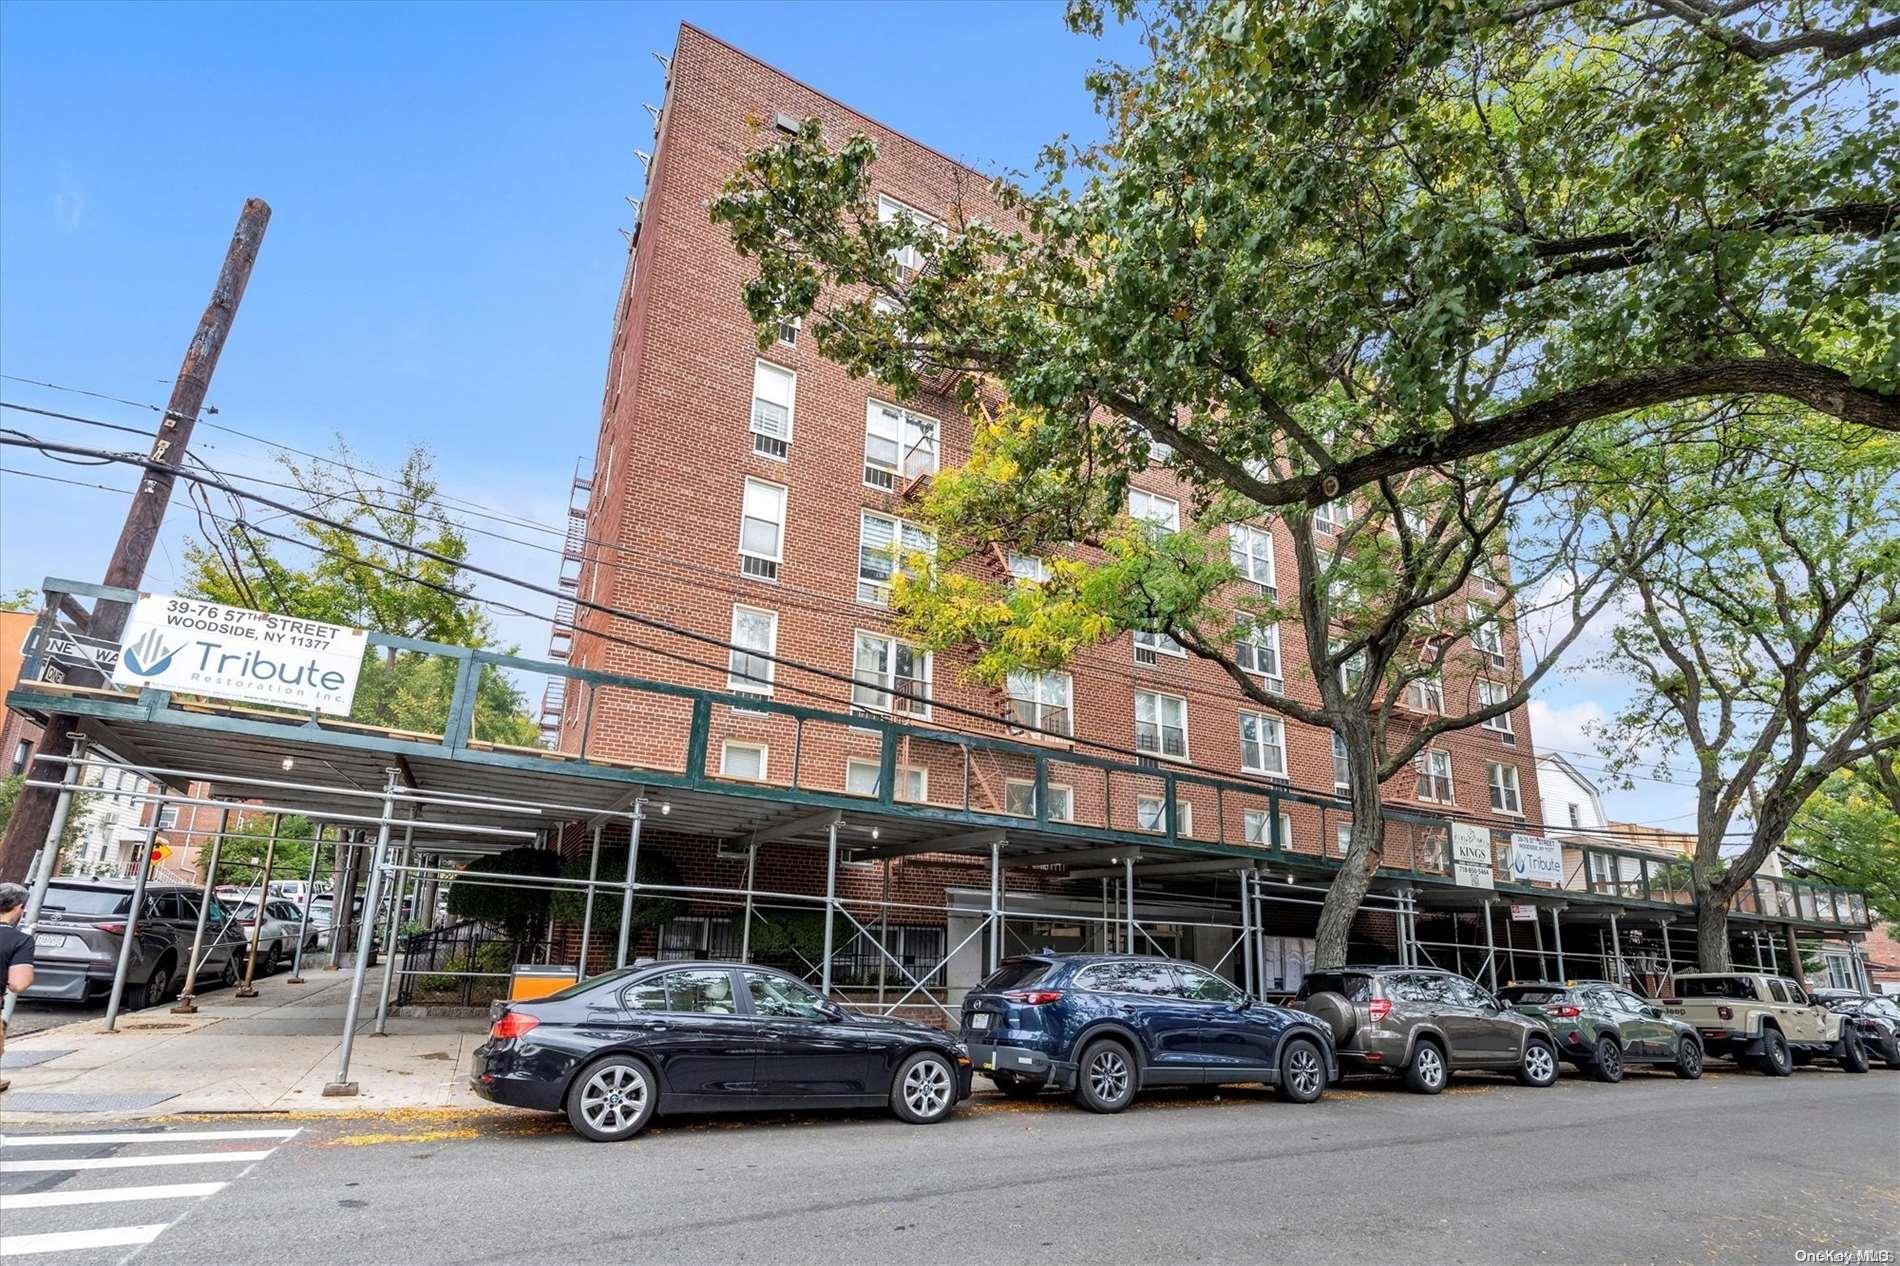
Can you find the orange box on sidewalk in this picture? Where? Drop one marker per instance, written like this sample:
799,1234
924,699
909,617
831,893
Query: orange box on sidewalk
529,983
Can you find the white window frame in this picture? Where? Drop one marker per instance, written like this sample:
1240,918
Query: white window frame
1061,797
1252,640
1487,633
1250,550
909,258
1150,502
1341,775
1027,569
1027,690
1332,517
764,442
1253,828
1342,837
928,438
1505,787
763,751
788,331
1157,699
759,681
1265,750
768,564
1426,694
1435,783
1490,692
888,681
1148,645
1183,814
872,591
914,781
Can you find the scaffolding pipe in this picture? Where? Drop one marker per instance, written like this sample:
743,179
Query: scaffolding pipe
249,989
341,898
1557,941
996,913
1128,894
1616,948
359,967
587,911
1669,955
394,925
626,893
1490,948
745,926
1249,981
831,902
883,927
303,912
131,934
187,998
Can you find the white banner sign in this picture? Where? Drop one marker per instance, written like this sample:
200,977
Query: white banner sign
1534,858
206,648
1524,914
1471,855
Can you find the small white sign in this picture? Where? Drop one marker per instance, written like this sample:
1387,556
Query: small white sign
206,648
1536,859
1523,914
71,648
1471,855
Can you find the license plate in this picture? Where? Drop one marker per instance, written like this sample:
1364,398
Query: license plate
48,941
981,1020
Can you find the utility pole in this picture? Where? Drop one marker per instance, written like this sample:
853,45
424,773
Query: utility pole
33,811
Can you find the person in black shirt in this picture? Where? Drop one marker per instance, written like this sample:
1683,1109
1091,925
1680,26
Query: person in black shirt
16,951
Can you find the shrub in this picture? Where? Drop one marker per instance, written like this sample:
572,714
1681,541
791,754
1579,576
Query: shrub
649,909
520,912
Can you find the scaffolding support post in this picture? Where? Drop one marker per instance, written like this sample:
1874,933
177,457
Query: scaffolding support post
249,988
883,927
587,911
131,935
40,873
831,901
359,967
342,895
751,872
1616,948
303,912
1128,894
395,929
1863,981
1490,948
996,905
626,893
1537,926
1557,939
1669,953
187,998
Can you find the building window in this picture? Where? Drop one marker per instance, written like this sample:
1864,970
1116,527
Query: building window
860,779
745,761
772,391
167,817
1342,775
898,445
1027,568
1342,837
1427,694
908,258
886,547
22,753
1161,724
1250,549
754,637
1487,635
1504,796
1489,694
788,331
1352,671
1164,513
1019,797
1484,577
1262,744
1148,645
883,665
1253,828
1041,701
1576,815
762,530
1258,651
1151,814
1332,517
1434,776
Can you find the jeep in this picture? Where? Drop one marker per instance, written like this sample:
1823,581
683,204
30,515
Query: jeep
1768,1021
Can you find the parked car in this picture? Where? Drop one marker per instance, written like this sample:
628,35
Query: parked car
277,941
1768,1021
82,927
323,915
614,1050
1603,1028
1424,1024
1104,1026
1877,1018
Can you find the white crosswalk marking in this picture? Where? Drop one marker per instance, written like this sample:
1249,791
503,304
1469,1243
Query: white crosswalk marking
43,1221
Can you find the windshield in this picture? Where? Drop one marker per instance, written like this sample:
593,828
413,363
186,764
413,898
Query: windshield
1716,987
1355,987
87,901
1014,974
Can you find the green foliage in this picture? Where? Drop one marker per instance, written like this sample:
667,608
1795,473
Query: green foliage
1848,835
241,861
352,581
519,911
76,817
20,600
649,909
797,932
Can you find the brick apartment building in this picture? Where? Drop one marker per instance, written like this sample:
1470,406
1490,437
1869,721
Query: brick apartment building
762,497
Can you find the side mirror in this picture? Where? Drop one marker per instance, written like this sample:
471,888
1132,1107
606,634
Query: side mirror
1654,1013
833,1011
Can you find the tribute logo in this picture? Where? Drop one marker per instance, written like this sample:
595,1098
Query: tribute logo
149,656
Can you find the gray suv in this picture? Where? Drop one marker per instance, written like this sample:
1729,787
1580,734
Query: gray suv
1424,1024
82,926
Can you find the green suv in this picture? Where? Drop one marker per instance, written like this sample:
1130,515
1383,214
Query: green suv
1604,1028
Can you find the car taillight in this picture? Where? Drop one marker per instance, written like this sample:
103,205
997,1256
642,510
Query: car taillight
1726,1013
116,928
1566,1012
1033,997
1672,1002
513,1024
1379,1009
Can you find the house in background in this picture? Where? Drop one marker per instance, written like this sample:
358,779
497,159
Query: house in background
19,735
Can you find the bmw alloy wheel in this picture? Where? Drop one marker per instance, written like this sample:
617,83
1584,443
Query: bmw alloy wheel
1303,1070
1108,1075
927,1088
614,1098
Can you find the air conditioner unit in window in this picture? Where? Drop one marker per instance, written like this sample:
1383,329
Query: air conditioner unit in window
1144,654
880,478
758,568
771,446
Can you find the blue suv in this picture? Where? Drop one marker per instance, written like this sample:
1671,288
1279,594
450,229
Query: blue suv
1103,1026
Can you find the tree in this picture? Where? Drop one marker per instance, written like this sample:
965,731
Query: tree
355,582
1848,834
250,838
77,816
520,911
20,600
650,910
1764,638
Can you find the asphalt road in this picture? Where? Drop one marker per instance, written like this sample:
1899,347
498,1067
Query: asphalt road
1734,1168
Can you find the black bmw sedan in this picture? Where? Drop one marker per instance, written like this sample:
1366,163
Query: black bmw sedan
708,1037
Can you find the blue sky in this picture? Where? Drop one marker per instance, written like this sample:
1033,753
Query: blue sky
448,186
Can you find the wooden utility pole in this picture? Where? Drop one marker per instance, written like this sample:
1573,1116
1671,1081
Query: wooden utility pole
33,811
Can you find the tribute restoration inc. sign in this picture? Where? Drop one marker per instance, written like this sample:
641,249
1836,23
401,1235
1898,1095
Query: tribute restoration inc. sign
1535,858
1471,855
207,648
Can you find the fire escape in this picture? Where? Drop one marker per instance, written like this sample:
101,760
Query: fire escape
561,635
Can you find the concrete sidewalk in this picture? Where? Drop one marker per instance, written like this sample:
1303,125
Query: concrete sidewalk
271,1053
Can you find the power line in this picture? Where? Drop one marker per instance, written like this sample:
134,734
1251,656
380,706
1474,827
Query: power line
891,690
